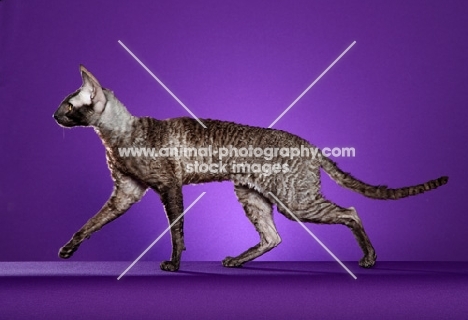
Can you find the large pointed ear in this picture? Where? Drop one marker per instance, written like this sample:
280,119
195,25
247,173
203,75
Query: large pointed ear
92,89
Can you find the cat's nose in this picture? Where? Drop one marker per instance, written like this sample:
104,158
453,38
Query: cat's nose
55,116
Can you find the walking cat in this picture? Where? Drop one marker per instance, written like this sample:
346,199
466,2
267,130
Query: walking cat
289,182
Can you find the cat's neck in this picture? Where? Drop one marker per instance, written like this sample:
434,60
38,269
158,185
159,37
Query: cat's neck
115,121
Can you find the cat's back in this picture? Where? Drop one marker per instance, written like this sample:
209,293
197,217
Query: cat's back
188,131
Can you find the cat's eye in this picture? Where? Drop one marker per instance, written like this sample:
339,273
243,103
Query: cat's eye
70,107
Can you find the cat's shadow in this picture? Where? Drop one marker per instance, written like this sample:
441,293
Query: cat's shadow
291,271
255,271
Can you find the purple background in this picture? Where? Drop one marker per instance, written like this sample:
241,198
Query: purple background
260,290
398,97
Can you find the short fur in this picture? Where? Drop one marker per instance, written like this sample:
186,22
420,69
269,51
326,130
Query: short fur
298,188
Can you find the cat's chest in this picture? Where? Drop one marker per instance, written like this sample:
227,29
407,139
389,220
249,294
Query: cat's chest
139,160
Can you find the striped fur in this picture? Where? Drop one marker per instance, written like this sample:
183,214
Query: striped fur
297,185
377,192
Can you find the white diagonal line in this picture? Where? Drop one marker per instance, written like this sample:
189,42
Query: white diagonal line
313,83
162,84
161,235
313,236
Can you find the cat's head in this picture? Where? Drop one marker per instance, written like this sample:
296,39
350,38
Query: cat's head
84,106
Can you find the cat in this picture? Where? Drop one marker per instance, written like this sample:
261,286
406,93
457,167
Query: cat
290,183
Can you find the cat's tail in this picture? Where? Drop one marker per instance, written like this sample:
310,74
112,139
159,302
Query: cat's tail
377,192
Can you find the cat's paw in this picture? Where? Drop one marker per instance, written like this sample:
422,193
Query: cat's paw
169,266
67,251
231,262
368,261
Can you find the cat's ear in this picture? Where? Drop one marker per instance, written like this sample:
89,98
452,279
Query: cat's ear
92,89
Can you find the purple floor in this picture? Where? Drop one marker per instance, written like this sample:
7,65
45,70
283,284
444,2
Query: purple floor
260,290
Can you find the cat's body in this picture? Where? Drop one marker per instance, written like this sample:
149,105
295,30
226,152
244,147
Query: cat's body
294,181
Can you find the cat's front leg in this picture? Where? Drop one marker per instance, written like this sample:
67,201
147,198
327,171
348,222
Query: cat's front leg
126,192
172,200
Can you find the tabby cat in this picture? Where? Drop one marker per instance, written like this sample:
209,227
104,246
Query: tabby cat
291,183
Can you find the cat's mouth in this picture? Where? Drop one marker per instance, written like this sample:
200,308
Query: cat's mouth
63,121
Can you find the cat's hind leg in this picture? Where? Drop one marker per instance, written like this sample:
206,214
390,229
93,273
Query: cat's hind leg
126,192
323,211
259,211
